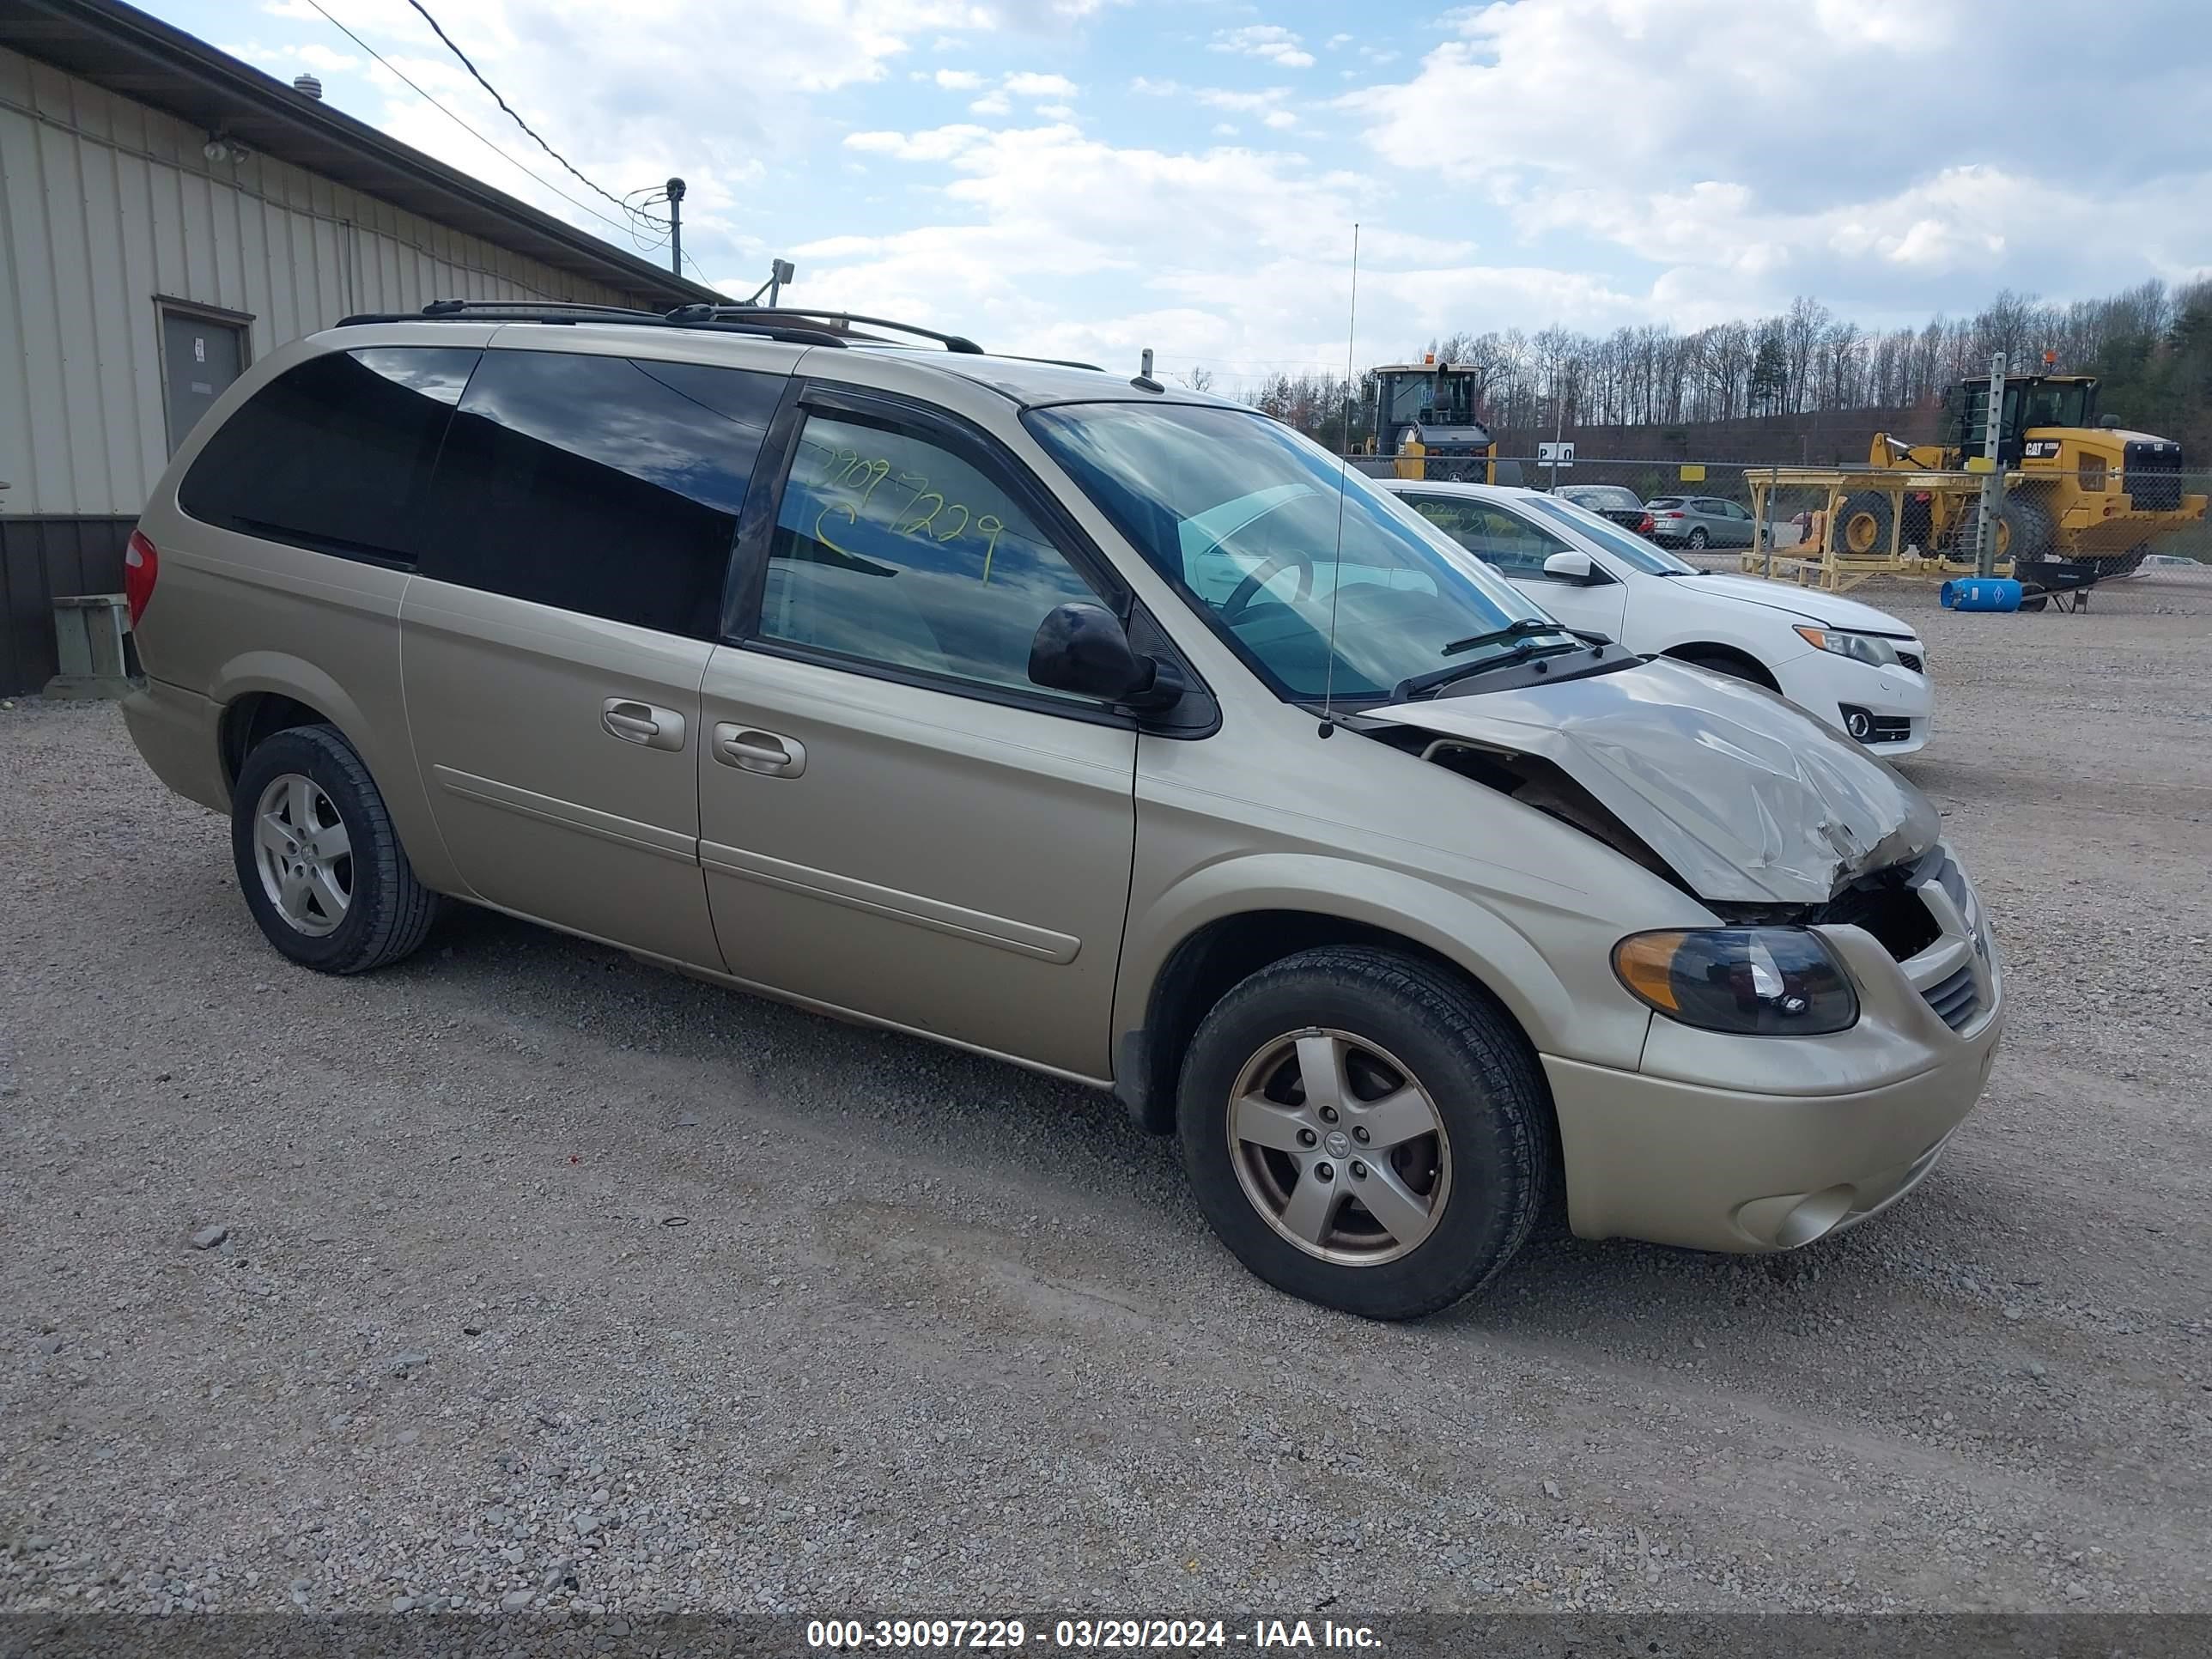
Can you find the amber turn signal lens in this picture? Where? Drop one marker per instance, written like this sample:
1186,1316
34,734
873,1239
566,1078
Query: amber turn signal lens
1645,962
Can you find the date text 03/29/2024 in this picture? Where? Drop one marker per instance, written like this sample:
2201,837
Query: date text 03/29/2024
1087,1635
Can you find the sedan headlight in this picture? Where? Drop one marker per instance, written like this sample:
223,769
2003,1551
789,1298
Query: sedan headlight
1755,982
1868,648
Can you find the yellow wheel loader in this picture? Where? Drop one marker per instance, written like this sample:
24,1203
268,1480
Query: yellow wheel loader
2077,488
1425,427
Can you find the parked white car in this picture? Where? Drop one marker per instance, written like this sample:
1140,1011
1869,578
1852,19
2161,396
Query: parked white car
1860,670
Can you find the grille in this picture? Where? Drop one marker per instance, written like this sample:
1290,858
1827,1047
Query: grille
1955,999
1911,659
1890,911
2151,474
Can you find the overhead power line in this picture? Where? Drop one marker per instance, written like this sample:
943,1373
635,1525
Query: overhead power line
439,32
581,207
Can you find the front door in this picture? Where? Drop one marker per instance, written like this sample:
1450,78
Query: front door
894,822
553,644
1517,549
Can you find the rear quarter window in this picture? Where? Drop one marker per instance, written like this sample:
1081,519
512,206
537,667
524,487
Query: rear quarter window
335,453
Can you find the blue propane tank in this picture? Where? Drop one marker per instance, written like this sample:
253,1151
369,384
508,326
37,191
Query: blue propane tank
1981,594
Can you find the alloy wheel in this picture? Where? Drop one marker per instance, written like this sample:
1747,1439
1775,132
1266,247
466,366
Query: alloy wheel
304,853
1338,1147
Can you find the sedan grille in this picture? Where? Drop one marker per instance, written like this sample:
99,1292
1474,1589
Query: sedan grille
1955,999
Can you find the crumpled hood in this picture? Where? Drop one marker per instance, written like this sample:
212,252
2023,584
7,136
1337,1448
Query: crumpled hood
1747,797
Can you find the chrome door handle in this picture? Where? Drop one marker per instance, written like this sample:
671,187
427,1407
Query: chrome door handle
750,750
641,722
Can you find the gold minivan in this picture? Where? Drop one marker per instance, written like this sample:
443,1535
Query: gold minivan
1112,730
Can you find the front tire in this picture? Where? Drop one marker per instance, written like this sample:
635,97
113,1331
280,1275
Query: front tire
318,860
1364,1131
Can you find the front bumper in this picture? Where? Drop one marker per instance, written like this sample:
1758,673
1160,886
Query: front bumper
1890,710
1749,1144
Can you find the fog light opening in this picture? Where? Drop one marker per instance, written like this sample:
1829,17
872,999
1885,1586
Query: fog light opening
1814,1215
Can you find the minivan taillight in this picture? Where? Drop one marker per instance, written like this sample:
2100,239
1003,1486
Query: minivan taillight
141,565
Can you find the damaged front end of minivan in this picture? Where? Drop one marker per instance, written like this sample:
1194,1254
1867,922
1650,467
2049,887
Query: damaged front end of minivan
1735,795
1808,1053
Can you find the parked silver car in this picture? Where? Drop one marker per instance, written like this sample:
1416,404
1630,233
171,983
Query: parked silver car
1698,521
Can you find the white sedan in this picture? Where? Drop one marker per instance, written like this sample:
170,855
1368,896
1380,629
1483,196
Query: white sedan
1859,669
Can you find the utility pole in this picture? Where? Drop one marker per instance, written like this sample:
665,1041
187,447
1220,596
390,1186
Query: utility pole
1986,555
675,226
1558,427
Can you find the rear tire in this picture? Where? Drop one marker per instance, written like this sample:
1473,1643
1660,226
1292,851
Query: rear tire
1699,540
303,792
1405,1045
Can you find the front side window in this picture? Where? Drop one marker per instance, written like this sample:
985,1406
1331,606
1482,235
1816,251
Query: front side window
1503,540
600,484
335,453
1320,580
895,551
1631,549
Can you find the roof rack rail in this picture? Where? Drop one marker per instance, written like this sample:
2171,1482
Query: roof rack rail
702,313
562,311
1057,362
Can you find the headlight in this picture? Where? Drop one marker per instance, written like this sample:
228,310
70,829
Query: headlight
1757,981
1868,648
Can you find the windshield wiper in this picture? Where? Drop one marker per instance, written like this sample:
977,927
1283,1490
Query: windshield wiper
1420,685
1520,629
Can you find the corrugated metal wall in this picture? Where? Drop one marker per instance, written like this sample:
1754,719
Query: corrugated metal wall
105,204
40,558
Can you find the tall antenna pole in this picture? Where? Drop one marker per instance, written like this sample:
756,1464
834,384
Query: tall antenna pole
1343,486
675,226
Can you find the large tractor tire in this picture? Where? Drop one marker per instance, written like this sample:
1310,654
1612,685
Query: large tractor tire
1862,525
2118,565
2025,533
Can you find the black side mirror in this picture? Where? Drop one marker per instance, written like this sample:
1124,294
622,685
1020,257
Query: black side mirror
1083,648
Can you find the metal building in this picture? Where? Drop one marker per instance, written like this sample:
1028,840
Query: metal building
168,215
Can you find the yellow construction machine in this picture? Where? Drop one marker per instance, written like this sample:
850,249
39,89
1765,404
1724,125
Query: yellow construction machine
2077,488
1425,426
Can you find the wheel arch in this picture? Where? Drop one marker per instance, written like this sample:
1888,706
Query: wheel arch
264,692
1752,668
1165,1005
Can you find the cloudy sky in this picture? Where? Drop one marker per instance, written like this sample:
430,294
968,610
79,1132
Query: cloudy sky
1088,177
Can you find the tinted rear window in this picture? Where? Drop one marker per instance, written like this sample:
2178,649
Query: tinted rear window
1664,500
600,484
334,454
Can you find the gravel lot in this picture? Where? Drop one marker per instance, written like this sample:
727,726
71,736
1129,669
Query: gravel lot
547,1276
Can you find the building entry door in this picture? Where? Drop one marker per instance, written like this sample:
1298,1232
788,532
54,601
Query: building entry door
200,357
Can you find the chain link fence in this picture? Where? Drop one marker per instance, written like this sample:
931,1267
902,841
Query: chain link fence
1698,489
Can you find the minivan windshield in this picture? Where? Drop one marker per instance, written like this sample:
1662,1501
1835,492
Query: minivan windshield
1243,514
1647,557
